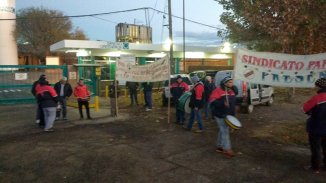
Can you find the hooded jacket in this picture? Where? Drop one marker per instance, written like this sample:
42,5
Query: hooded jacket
316,107
219,96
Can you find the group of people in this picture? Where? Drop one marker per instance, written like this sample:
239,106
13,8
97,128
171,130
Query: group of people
218,102
147,89
52,101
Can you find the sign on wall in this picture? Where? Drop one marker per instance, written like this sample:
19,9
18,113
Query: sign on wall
156,71
21,76
278,69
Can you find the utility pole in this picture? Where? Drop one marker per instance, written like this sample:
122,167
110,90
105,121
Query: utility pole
172,64
184,38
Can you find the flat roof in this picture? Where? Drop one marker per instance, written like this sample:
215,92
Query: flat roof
115,49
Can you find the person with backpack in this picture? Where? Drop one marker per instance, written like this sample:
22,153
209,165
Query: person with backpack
315,107
196,103
178,88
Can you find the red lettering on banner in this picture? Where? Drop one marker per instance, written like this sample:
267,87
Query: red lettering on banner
276,62
291,65
324,64
245,58
299,66
284,65
256,61
264,62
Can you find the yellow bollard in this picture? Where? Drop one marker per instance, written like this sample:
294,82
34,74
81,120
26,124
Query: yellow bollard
106,92
96,103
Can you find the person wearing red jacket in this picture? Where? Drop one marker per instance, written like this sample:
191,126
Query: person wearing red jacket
83,95
196,103
178,88
47,98
315,107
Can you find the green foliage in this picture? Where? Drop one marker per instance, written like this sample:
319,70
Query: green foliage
289,26
38,28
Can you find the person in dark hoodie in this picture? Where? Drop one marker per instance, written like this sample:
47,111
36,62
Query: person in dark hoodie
39,111
47,98
178,88
315,107
223,103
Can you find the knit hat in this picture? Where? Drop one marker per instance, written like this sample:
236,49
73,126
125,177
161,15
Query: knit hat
42,76
226,79
195,79
179,76
64,78
321,83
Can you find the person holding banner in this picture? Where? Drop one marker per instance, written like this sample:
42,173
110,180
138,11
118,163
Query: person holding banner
178,88
196,103
315,107
223,103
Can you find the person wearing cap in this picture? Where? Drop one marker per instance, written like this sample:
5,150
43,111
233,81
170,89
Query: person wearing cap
47,98
39,111
223,103
196,103
64,91
83,95
315,107
178,88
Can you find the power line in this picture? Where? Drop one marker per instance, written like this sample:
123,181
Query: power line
122,11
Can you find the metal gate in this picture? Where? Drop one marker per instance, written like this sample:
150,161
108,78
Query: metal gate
16,81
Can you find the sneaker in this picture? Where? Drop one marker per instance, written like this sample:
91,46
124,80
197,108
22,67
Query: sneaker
199,131
65,118
89,118
314,171
37,121
228,154
56,118
148,109
219,150
49,130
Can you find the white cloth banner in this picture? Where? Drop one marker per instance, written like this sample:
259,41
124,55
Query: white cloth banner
278,69
156,71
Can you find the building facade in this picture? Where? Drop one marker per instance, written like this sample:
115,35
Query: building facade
133,33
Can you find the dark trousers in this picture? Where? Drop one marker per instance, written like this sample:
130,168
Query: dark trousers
317,146
40,115
133,96
148,99
180,115
80,107
63,103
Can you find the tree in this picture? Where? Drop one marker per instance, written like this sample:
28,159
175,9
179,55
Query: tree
38,28
288,26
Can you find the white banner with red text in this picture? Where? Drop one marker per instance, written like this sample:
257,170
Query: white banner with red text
156,71
278,69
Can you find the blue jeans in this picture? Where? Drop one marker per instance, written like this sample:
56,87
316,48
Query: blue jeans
148,99
207,109
223,137
195,114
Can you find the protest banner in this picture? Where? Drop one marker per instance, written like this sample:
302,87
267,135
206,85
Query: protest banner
156,71
278,69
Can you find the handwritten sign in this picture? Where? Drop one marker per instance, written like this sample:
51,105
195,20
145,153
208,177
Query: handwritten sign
280,69
156,71
20,76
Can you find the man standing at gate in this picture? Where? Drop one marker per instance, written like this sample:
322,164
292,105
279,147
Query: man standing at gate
64,91
83,96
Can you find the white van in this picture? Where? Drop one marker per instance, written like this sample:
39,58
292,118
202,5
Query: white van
250,94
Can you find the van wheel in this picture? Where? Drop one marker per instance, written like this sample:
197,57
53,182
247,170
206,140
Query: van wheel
271,101
248,109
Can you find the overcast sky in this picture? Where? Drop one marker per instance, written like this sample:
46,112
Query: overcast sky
103,27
